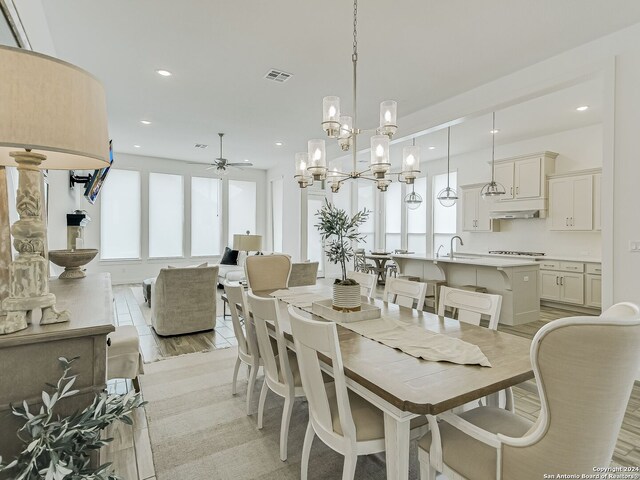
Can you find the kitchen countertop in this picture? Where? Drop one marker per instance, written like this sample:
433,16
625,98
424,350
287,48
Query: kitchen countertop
484,261
566,258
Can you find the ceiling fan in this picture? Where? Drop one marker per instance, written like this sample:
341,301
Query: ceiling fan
221,163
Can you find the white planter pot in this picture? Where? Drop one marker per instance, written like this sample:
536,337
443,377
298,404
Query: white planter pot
346,298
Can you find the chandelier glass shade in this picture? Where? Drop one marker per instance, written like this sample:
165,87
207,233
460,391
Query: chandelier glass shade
313,166
448,196
493,189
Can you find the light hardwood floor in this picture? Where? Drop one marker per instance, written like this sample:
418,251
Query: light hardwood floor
130,451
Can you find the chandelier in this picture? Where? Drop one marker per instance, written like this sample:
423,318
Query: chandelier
312,165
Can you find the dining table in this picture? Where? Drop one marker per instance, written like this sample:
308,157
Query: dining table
404,387
380,259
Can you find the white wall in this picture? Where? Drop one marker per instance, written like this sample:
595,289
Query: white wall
62,200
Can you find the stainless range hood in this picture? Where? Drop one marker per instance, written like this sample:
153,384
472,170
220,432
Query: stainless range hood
510,215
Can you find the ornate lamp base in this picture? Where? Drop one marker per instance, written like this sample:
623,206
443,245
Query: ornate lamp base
29,278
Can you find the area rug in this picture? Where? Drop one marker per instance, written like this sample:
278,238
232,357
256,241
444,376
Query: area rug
199,430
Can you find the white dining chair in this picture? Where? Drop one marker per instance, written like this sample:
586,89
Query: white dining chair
344,421
281,373
248,350
405,293
367,282
267,272
471,305
585,369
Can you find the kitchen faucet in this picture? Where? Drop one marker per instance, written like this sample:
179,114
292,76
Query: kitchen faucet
438,251
451,249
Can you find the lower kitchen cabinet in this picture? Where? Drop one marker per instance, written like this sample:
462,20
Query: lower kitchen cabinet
593,290
562,287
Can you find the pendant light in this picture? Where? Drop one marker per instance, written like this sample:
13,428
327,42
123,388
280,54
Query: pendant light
493,189
410,164
448,196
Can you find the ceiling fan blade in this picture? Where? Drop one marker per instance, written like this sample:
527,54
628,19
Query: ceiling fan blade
240,164
211,167
198,163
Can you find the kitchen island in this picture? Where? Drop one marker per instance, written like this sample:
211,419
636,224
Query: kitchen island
516,280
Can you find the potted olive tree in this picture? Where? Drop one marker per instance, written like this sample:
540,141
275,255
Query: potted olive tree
338,232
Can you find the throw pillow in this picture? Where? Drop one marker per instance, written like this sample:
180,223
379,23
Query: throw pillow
229,257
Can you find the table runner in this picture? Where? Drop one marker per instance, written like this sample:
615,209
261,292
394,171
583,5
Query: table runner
411,339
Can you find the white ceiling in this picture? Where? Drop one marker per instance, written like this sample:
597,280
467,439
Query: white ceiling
417,52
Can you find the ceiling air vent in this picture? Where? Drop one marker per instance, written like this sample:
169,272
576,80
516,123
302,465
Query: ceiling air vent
278,75
201,145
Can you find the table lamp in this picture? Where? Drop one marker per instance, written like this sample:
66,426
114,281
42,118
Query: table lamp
52,116
247,243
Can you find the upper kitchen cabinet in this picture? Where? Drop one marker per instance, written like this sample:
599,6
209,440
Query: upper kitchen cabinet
475,210
574,201
597,199
524,176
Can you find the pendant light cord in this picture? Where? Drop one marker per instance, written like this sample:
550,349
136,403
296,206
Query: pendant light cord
354,60
448,155
493,149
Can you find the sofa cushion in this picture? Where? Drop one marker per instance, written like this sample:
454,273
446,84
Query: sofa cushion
229,257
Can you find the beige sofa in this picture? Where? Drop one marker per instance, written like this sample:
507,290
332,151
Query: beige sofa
183,300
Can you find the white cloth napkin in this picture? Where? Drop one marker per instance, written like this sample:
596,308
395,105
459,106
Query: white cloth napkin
420,343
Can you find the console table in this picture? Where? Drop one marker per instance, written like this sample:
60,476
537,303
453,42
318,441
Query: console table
29,358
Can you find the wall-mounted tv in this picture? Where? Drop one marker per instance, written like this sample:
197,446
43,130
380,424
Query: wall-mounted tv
98,177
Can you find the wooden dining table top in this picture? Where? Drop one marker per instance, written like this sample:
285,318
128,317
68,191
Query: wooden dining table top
420,386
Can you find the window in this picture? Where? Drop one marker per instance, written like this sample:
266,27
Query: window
120,216
166,215
417,220
393,217
315,248
444,218
242,208
277,199
206,222
366,200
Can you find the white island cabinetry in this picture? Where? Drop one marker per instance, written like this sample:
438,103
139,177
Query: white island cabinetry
515,280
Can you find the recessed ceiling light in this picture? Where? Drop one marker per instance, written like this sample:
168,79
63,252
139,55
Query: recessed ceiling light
136,146
432,147
145,122
279,144
582,108
494,131
246,159
164,73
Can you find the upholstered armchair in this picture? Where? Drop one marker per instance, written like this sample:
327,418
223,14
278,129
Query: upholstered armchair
183,300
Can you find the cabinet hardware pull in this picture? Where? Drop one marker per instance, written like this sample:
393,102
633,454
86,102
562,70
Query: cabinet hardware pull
517,190
573,223
557,281
511,190
561,280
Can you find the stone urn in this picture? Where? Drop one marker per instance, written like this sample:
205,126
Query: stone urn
72,261
346,296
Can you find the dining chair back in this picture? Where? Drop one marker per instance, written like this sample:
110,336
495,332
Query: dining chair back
367,282
585,368
303,273
471,305
405,293
266,310
267,272
360,263
279,371
248,350
311,338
